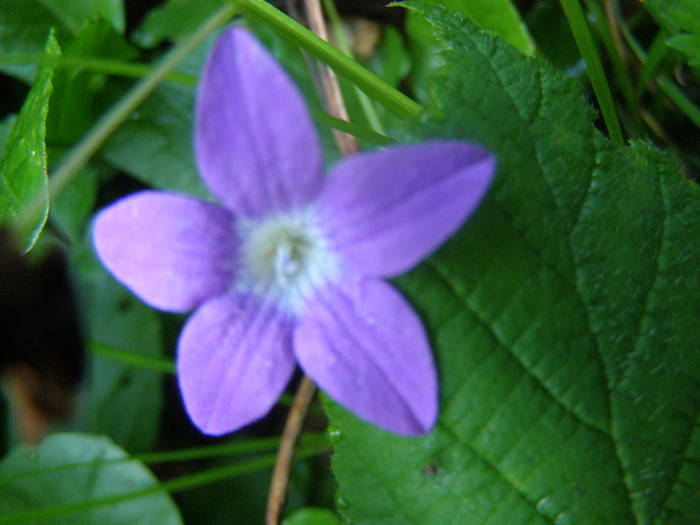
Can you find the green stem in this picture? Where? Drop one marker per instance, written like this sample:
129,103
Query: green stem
586,46
669,88
159,364
247,446
111,120
657,51
353,129
98,65
365,102
603,24
174,485
343,65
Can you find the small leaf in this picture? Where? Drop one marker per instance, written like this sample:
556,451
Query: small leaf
689,45
676,15
113,12
23,178
73,470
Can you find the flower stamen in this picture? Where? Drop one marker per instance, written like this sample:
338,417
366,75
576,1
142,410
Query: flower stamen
285,257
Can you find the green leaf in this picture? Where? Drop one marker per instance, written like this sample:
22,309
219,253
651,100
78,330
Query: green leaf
23,178
499,16
24,25
676,15
73,470
75,88
74,13
563,317
122,401
5,127
72,207
173,20
554,39
312,516
113,12
155,143
391,61
689,45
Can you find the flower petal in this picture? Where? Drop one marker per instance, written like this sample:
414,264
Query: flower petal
171,250
256,146
234,360
364,345
384,211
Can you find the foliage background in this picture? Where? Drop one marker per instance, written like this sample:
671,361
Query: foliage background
562,315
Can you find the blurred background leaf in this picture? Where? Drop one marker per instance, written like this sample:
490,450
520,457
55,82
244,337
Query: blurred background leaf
73,469
122,401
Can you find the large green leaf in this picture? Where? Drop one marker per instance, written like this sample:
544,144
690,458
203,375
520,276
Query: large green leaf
23,179
563,317
122,401
75,469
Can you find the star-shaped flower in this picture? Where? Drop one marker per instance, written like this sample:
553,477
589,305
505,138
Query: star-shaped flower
290,267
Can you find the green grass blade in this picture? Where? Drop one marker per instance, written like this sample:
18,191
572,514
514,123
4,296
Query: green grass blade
586,46
345,66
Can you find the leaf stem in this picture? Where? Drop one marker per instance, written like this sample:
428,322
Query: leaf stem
345,66
98,65
365,102
586,46
333,97
136,359
285,453
111,120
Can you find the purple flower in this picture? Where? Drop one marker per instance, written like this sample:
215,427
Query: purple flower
290,267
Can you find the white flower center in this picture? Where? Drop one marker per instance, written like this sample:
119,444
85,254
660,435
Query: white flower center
285,257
